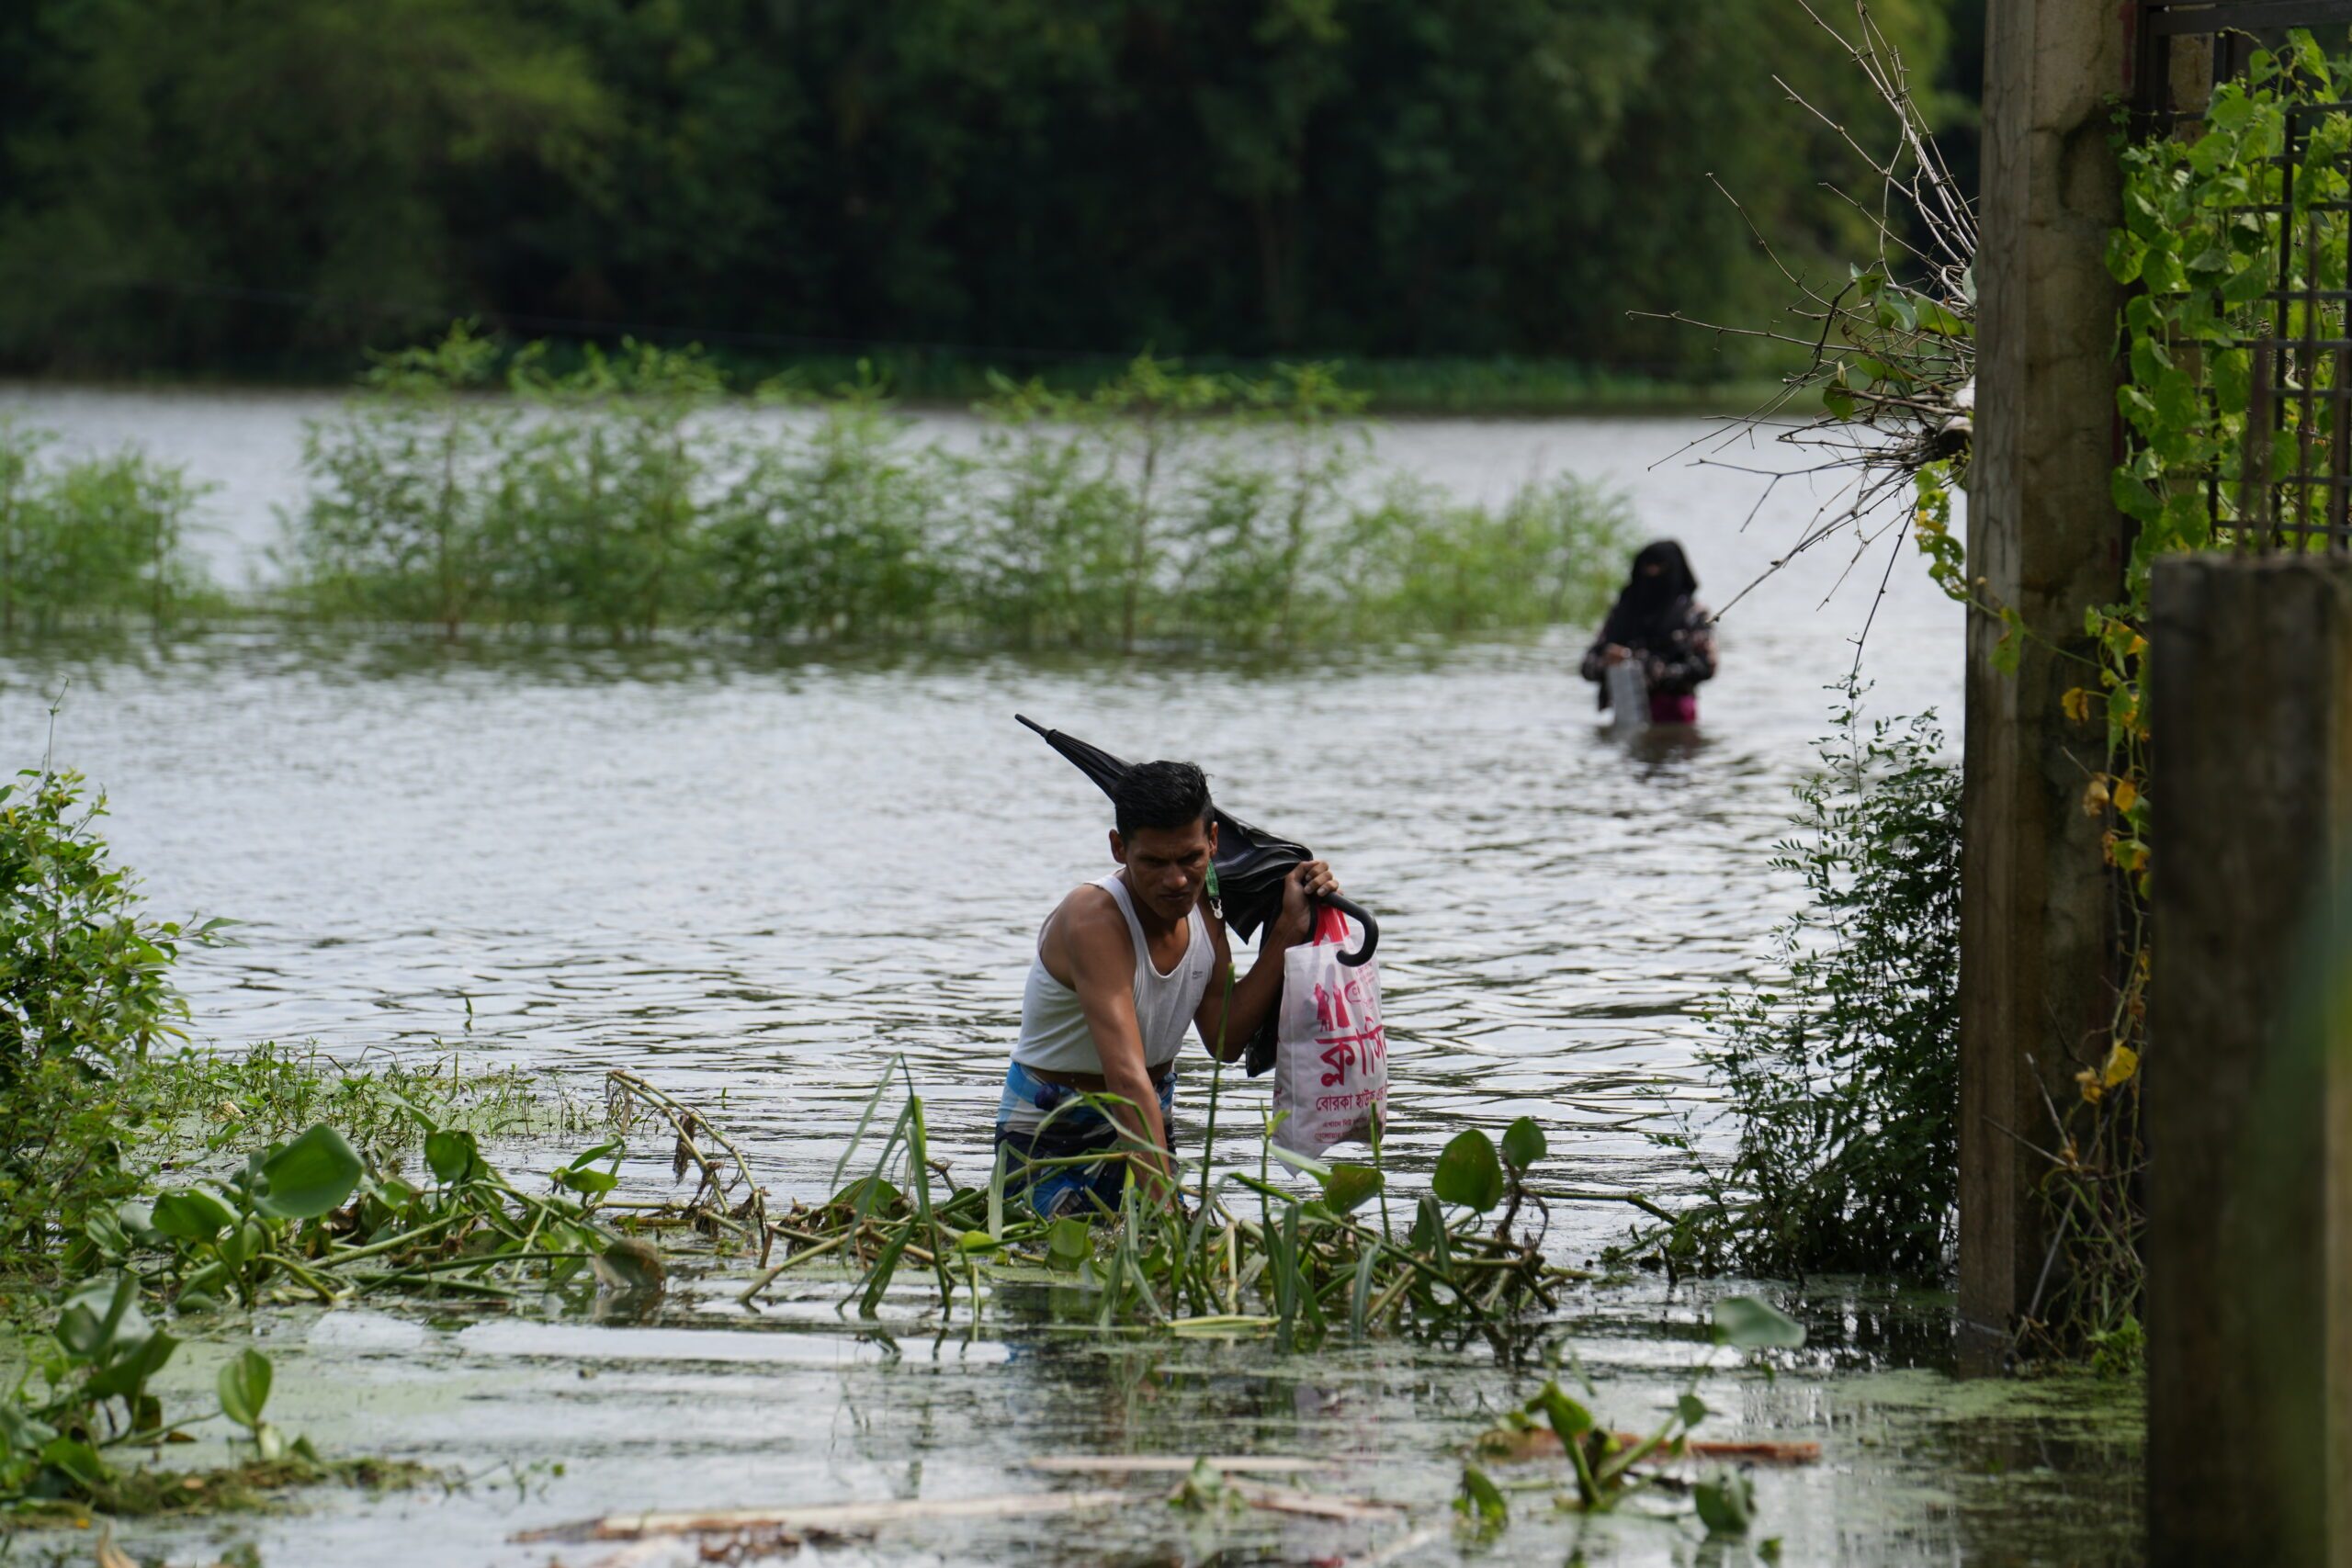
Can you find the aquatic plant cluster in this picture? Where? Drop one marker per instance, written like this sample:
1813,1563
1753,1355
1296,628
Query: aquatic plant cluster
305,1219
1840,1071
631,495
57,1444
623,497
102,1217
97,537
1305,1264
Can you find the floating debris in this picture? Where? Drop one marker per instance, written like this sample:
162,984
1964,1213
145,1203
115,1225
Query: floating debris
832,1519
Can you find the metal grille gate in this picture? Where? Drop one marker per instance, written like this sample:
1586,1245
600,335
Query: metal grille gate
2292,485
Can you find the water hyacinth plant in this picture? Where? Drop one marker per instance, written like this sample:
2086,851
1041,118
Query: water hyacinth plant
1227,1251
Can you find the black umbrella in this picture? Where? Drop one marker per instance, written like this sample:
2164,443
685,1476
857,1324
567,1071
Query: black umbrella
1251,862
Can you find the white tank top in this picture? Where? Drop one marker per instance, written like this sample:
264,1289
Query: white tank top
1054,1034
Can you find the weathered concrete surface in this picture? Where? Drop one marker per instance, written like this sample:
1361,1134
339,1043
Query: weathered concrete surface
2249,1311
2046,541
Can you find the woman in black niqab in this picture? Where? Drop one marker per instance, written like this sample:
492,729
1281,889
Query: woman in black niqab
1658,620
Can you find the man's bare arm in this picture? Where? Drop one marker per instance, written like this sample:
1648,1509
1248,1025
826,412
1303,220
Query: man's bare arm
1102,961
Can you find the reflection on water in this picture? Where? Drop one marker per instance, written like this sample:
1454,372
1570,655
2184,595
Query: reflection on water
757,877
694,1411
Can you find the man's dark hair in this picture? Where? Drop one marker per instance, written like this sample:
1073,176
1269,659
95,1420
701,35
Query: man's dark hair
1160,795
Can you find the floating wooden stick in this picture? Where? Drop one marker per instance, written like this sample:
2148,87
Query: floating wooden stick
1315,1505
836,1517
1164,1464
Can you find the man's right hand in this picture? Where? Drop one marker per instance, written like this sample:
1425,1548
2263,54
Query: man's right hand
1308,881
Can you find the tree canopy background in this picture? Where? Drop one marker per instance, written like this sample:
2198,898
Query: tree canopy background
263,186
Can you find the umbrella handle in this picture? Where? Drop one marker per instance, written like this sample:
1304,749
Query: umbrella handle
1363,917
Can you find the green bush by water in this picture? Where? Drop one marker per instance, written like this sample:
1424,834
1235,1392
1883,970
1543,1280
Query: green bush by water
1164,507
1844,1078
99,539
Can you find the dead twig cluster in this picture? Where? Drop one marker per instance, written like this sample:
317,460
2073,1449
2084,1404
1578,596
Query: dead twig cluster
1887,384
726,1199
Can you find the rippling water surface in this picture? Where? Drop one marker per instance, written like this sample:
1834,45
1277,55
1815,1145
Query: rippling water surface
769,875
773,873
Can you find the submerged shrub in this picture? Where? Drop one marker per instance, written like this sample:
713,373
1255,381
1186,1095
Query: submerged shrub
1041,542
1163,506
598,523
1423,563
82,974
409,490
84,992
1844,1081
828,533
101,538
1145,420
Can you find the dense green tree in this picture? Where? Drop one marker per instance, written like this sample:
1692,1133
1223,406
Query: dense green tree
203,178
236,182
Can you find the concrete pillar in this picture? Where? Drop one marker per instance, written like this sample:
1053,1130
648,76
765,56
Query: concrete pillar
2247,1105
2036,943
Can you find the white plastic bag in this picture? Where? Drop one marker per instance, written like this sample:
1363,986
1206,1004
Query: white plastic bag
1629,697
1330,1052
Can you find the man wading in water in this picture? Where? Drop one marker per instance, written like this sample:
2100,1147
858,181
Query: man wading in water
1123,969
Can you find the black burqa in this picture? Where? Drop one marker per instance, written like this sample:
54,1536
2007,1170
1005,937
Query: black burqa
1652,606
1251,866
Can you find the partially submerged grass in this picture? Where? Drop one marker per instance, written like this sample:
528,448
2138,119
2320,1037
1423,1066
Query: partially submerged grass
1246,1255
250,1487
209,1098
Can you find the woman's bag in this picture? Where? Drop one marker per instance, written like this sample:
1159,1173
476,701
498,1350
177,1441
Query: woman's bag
1331,1053
1629,697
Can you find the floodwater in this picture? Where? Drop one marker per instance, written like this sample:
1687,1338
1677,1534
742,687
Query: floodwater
767,876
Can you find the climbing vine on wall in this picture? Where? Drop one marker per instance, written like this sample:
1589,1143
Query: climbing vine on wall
2201,250
1890,357
2208,208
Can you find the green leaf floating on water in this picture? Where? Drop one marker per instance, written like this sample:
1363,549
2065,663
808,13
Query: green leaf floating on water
316,1172
1747,1324
126,1376
243,1243
192,1214
871,1196
1727,1502
243,1385
78,1460
1350,1187
1480,1499
101,1315
1468,1173
19,1432
1523,1144
452,1154
1068,1244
